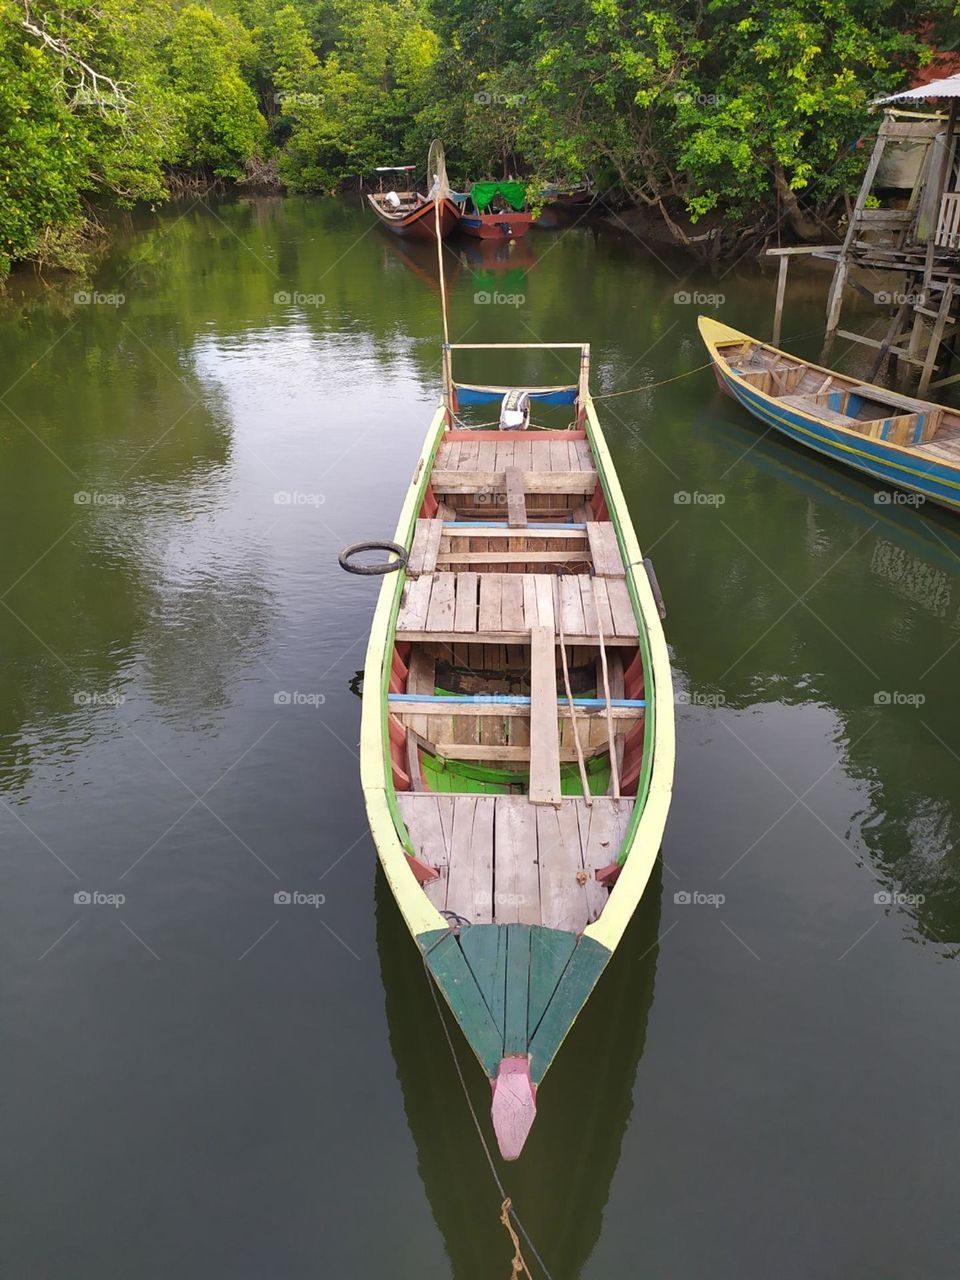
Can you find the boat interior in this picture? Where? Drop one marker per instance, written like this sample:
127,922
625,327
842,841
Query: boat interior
516,703
870,410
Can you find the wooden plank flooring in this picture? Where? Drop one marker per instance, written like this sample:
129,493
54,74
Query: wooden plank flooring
502,608
491,453
502,860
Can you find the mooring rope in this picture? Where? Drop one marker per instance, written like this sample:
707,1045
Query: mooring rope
508,1215
649,386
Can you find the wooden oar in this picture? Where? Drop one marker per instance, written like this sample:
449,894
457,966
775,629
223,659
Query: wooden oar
573,715
614,767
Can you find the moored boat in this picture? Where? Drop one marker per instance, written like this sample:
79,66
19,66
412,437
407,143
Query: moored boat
407,212
495,210
517,737
895,439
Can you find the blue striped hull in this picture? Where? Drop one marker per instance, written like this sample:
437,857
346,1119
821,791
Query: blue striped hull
934,479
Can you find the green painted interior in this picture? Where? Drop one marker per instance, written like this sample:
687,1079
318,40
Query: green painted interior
462,776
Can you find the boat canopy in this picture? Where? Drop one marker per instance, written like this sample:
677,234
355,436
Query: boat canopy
515,194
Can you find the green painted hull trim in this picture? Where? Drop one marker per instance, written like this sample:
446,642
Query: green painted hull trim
514,989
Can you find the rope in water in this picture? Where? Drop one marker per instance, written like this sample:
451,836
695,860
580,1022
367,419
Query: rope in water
649,386
508,1215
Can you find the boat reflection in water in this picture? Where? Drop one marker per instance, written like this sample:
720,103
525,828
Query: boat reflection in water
560,1184
906,622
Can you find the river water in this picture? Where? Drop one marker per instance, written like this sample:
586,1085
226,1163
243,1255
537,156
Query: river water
201,1081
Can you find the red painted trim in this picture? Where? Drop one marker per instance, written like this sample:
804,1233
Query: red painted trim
598,505
421,870
608,875
430,505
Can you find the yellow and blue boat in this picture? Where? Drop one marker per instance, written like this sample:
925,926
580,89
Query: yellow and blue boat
517,733
911,444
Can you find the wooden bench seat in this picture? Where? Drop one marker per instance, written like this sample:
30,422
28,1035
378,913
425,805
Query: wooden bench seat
809,405
460,481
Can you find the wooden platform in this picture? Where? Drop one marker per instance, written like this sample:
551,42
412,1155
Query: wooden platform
501,608
503,860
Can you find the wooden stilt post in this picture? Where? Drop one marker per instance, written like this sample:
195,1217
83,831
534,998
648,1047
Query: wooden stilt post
778,307
936,337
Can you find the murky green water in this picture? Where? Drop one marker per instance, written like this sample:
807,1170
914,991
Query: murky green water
199,1082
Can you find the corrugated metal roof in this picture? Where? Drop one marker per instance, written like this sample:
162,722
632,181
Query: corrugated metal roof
948,88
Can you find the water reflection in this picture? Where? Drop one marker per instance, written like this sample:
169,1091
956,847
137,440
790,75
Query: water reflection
561,1183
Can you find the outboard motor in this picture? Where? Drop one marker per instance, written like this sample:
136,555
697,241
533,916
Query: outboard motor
515,411
392,199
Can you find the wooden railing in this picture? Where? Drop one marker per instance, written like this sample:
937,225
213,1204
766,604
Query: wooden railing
948,226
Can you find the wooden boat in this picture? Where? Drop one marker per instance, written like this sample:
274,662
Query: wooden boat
509,221
517,737
895,439
411,214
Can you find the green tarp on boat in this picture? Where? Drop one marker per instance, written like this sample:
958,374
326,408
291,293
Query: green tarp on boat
515,194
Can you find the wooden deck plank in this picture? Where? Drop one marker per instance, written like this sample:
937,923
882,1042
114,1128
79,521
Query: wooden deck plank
415,604
465,609
516,500
517,872
597,833
505,638
563,903
422,815
511,602
559,456
604,549
442,598
571,607
487,456
544,585
461,895
593,591
624,619
490,602
544,787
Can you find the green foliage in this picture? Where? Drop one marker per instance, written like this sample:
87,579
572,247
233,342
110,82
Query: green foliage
728,110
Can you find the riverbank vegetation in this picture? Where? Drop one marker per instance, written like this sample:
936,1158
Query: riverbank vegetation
720,120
